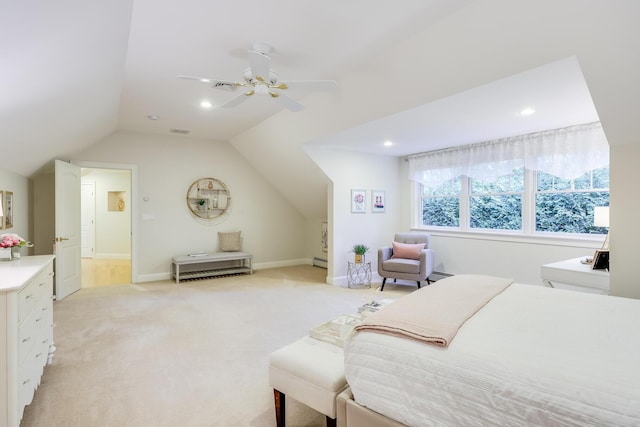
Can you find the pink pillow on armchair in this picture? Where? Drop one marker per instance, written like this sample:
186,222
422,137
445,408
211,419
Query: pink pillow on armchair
407,250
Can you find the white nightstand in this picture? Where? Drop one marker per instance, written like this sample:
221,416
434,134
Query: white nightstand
573,275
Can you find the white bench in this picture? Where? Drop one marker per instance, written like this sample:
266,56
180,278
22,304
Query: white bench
211,265
310,371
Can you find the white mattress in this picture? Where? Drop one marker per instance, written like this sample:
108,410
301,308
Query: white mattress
532,356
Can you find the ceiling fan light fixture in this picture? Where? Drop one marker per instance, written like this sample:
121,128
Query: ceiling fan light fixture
260,79
261,89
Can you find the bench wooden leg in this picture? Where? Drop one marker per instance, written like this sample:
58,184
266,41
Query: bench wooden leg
331,422
278,399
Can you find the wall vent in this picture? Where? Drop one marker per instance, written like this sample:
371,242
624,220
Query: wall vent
180,131
319,262
224,86
439,275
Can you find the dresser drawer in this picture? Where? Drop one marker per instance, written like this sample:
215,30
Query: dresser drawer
27,299
27,337
41,286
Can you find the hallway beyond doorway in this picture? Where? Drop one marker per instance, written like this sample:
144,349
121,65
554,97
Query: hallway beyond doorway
104,272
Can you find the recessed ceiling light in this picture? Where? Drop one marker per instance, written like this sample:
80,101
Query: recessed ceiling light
153,117
205,80
388,143
527,111
205,104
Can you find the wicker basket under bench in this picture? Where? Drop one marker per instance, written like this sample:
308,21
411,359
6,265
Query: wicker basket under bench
210,265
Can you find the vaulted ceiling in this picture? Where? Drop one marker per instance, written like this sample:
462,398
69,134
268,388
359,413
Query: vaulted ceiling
74,72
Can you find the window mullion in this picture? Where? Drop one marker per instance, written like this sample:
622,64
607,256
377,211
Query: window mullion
465,195
529,202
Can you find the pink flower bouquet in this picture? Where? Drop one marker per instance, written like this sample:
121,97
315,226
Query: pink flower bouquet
11,240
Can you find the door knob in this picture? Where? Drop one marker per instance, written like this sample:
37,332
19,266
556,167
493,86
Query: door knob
61,239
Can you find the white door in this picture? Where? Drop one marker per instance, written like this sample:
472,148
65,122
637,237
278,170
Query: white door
67,229
88,219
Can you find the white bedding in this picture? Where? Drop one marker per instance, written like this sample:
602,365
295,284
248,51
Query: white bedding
532,356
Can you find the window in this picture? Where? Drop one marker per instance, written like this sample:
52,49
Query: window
547,182
497,205
560,205
566,205
441,206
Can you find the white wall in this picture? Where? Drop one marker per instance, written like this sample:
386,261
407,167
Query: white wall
167,166
625,226
520,260
463,253
113,228
20,186
349,170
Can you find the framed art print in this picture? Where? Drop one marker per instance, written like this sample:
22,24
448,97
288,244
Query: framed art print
358,201
1,210
377,201
8,209
601,260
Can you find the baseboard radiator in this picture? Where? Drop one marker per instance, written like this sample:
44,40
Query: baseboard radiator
319,262
439,275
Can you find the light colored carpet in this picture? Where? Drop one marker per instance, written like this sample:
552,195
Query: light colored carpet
194,354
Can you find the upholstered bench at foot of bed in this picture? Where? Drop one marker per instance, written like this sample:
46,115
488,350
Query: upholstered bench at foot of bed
309,371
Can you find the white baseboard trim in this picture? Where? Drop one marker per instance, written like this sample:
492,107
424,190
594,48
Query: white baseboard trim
287,263
156,277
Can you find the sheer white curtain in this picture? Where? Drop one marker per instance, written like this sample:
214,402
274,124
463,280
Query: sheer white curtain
567,153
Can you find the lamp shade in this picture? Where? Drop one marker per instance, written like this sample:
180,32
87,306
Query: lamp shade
601,216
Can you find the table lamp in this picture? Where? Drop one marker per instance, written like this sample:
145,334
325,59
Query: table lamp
601,219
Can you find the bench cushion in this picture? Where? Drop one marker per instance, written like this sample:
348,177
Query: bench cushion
309,371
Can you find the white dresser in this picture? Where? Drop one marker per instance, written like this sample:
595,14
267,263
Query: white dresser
26,331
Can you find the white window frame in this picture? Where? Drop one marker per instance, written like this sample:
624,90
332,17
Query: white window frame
528,231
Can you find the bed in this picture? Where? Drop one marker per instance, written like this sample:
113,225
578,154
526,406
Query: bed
528,356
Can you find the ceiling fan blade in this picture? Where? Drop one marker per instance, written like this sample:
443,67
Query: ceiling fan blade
260,64
202,79
289,103
237,100
314,85
227,85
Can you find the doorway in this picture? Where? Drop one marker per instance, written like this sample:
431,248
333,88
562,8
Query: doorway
106,219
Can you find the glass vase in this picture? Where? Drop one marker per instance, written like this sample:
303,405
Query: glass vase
15,252
6,254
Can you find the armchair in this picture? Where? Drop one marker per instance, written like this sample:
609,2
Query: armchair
409,261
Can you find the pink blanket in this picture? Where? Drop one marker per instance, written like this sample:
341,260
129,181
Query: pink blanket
434,313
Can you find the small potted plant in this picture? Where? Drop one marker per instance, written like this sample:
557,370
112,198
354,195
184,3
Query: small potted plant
359,250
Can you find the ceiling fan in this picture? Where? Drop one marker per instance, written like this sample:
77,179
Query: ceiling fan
261,80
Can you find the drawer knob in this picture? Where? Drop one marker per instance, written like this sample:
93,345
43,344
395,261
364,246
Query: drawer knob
25,382
28,296
27,339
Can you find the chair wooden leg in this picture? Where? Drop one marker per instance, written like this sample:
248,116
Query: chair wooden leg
428,281
418,283
279,400
331,422
384,279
